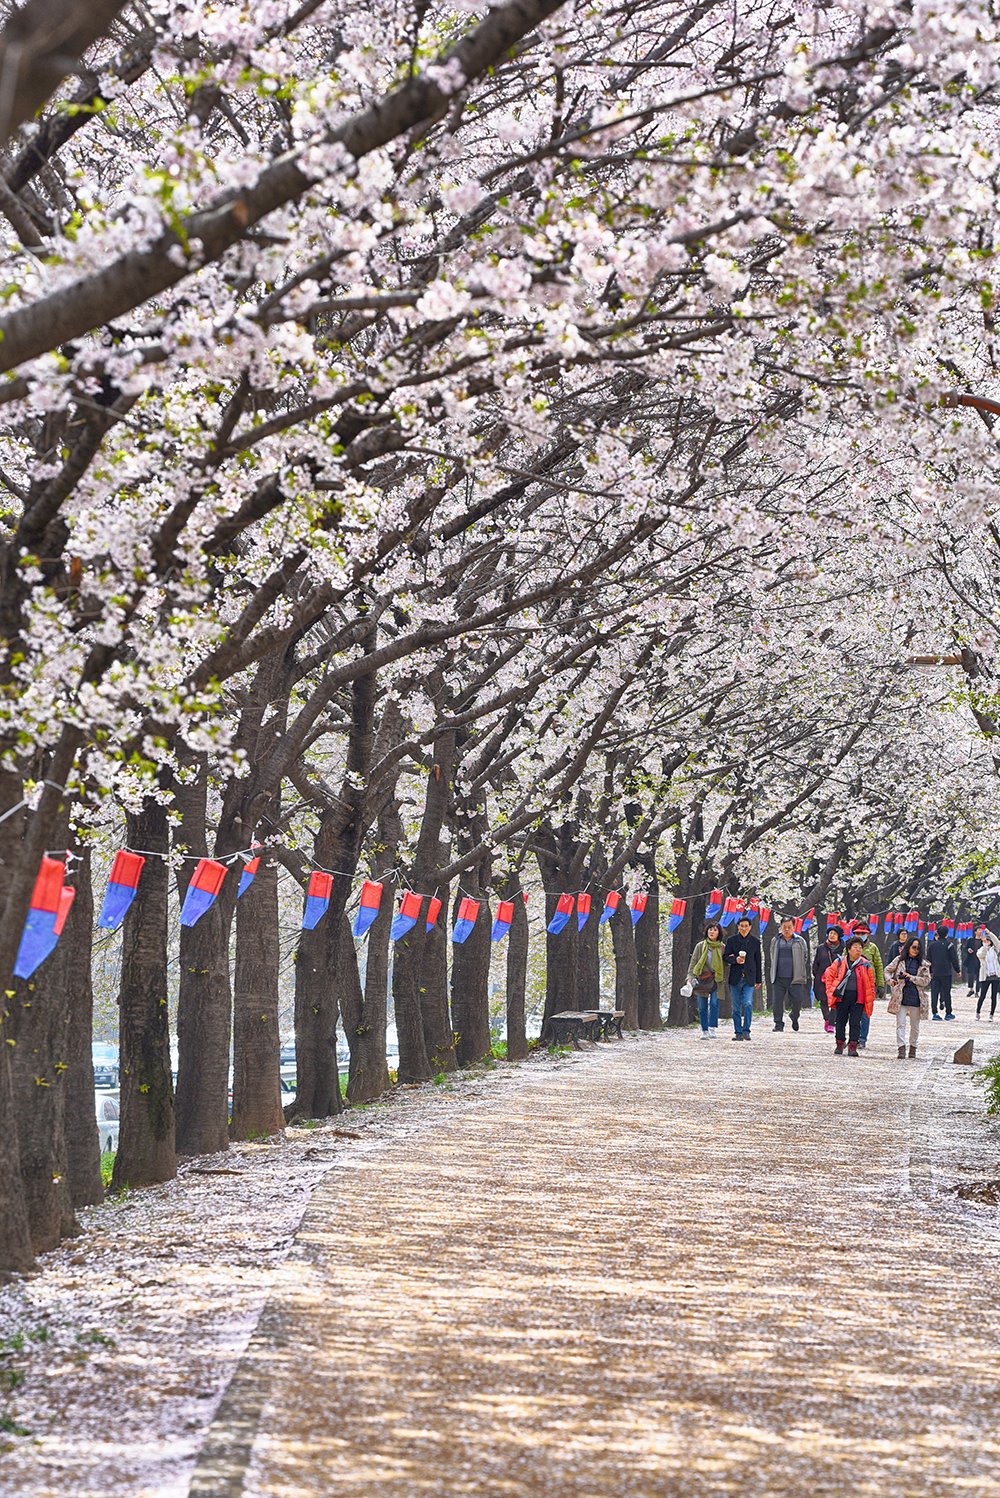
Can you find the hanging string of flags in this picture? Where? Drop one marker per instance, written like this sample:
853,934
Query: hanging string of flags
52,899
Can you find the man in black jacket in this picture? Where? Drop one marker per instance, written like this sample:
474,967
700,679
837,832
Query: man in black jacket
944,964
741,955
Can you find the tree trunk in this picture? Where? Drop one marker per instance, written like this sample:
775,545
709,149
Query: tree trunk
470,978
588,959
439,1037
517,979
256,1039
146,1150
626,968
83,1150
364,1021
685,939
317,1079
407,964
647,952
41,1030
204,1026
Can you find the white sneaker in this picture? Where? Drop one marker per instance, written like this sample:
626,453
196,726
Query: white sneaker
706,1035
713,1029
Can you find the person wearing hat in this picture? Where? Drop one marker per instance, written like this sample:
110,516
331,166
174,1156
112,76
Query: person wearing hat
828,952
742,957
874,956
850,989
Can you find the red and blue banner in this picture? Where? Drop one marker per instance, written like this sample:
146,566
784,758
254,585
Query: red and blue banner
582,911
765,916
873,923
730,911
832,918
714,904
371,899
638,907
677,910
468,914
203,891
563,911
248,875
809,919
123,885
912,920
433,911
407,916
503,921
318,892
50,903
611,902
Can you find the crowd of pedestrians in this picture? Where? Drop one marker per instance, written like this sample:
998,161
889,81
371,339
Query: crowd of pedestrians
847,978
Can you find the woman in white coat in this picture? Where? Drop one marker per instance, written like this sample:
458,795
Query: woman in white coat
989,969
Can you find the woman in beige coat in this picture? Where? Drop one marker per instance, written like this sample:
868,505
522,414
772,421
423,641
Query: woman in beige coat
909,976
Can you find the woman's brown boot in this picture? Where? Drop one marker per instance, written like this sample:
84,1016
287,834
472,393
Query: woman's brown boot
902,1053
913,1053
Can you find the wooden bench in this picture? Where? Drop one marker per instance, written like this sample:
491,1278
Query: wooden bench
571,1024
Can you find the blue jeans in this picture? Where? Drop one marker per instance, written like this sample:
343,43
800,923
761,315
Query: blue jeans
742,996
866,1021
708,1010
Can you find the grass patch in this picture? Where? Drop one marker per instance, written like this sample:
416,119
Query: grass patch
10,1427
107,1166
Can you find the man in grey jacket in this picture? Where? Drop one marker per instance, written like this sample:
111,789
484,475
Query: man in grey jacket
789,973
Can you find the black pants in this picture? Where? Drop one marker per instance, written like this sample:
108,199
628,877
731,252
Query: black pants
783,988
941,993
848,1014
819,989
992,984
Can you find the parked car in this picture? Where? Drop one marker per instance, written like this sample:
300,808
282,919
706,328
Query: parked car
105,1059
106,1107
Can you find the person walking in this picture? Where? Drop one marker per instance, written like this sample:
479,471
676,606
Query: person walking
943,957
910,978
874,956
989,969
896,947
706,975
828,952
789,973
970,965
850,991
742,957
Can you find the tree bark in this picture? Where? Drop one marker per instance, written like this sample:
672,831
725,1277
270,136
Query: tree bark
647,952
83,1150
365,1014
470,978
517,979
146,1148
626,967
317,1079
256,1039
588,960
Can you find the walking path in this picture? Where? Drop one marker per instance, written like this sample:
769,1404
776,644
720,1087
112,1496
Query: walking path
669,1267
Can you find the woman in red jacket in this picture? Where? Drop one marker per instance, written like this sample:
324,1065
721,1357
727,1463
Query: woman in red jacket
850,988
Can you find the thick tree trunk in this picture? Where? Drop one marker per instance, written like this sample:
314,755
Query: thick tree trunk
407,965
647,952
588,960
204,1027
364,1021
439,1037
15,1239
146,1149
626,967
682,1010
256,1040
317,1079
470,980
41,1028
83,1150
517,979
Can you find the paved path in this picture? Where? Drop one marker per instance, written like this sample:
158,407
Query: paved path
672,1267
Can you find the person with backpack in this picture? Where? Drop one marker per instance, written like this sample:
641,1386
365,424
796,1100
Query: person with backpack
828,952
850,990
943,957
910,977
742,957
706,975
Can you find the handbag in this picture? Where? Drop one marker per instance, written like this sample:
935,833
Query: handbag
895,1002
706,980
